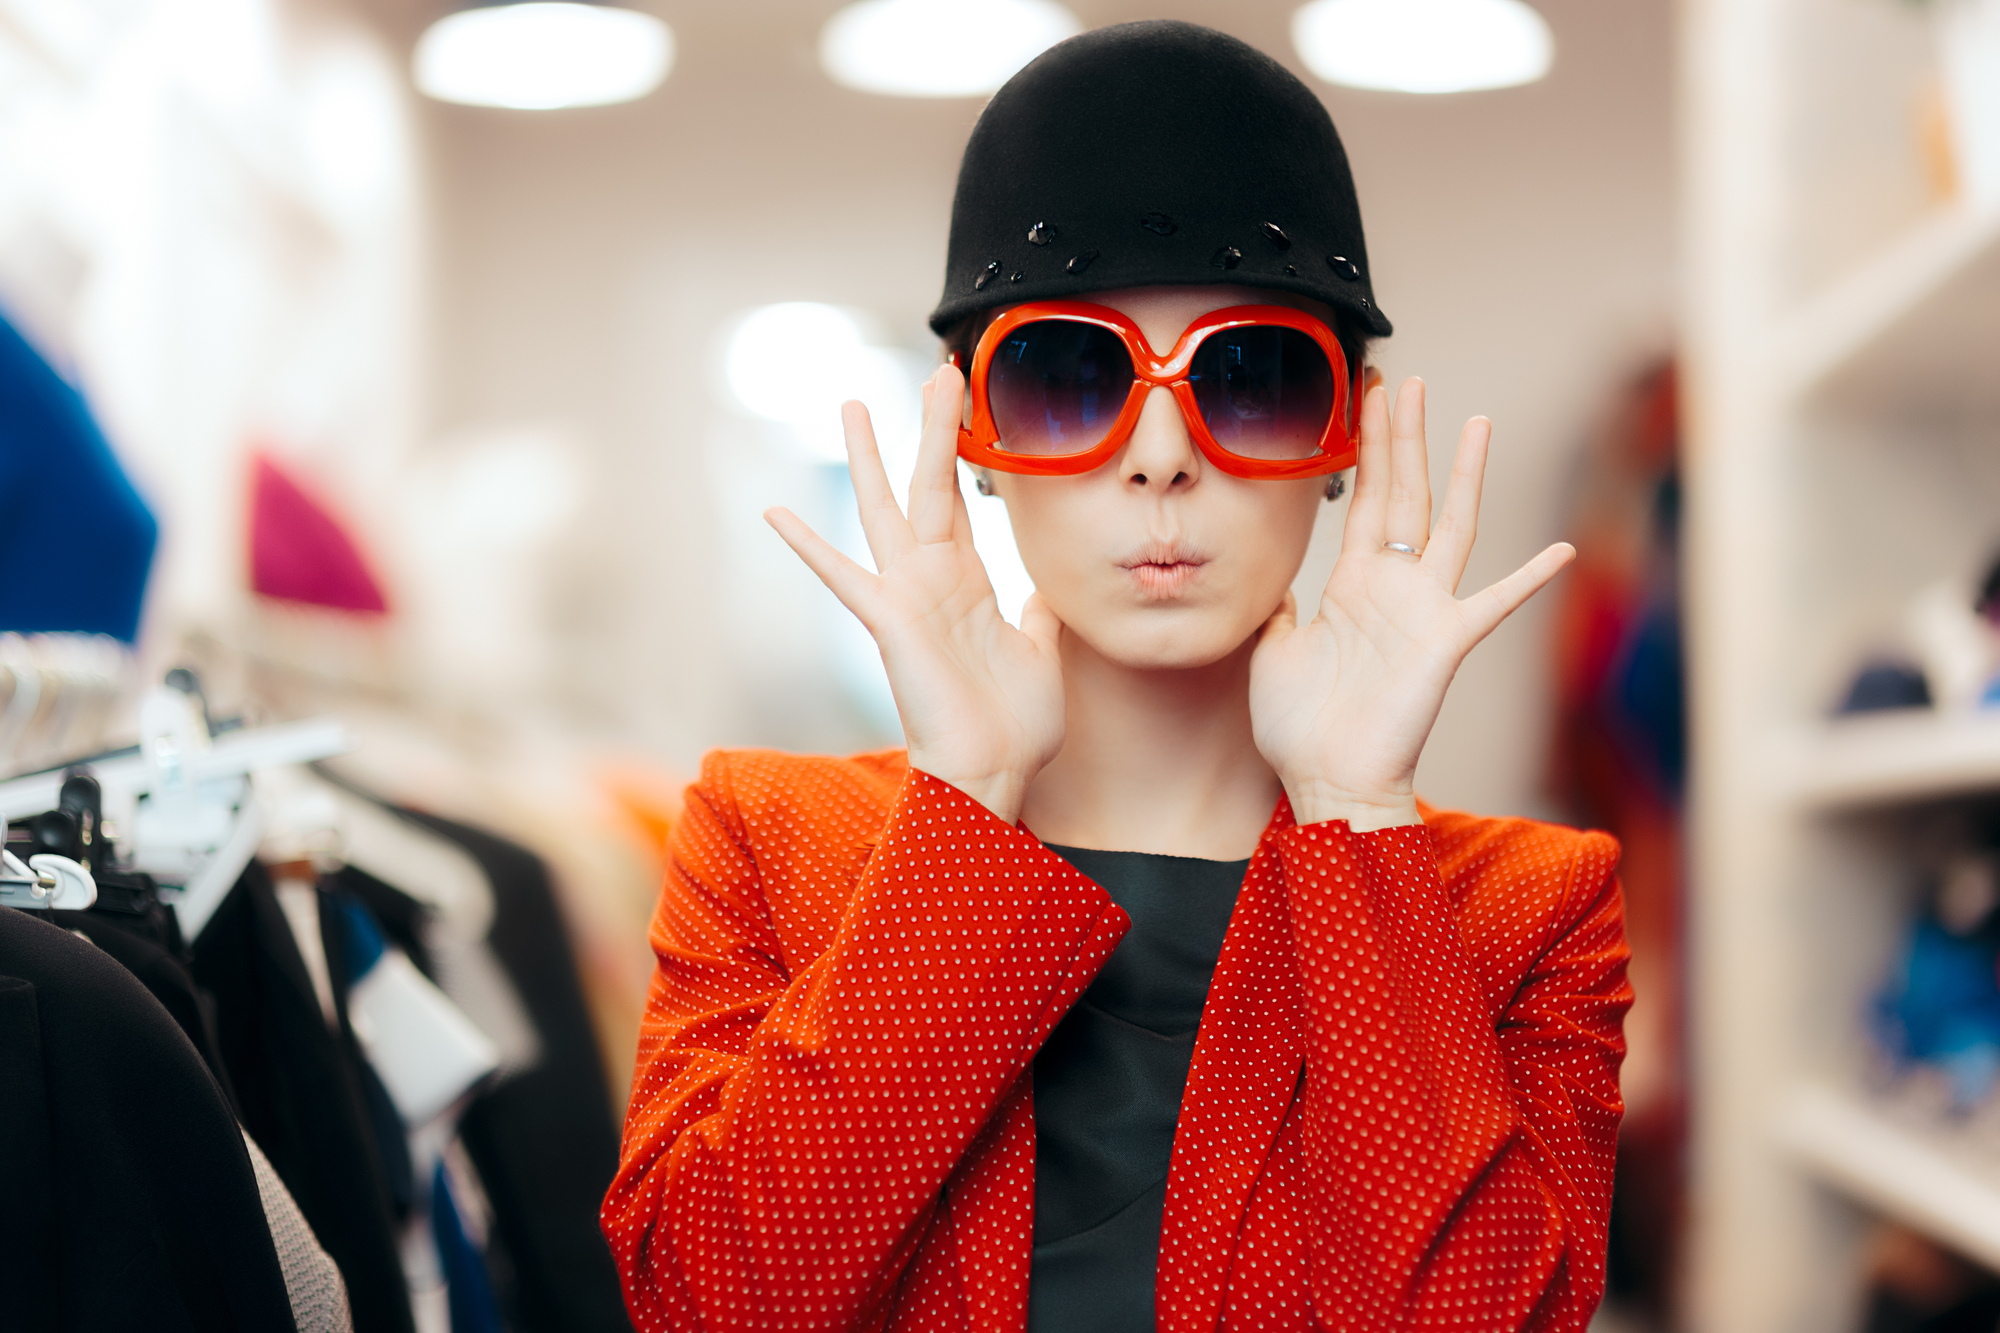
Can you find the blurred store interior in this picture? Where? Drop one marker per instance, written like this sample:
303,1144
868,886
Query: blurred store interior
446,428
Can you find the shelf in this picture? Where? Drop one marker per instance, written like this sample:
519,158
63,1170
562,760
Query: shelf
1924,1180
1910,335
1886,758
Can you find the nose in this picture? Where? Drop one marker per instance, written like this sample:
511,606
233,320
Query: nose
1160,457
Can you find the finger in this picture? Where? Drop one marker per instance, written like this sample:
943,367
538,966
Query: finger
961,517
1408,514
1458,525
934,485
882,521
1485,610
1282,621
1040,623
1365,511
854,586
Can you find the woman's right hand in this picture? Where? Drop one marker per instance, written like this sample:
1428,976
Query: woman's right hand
981,701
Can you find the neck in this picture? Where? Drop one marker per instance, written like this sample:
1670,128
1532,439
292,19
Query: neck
1154,761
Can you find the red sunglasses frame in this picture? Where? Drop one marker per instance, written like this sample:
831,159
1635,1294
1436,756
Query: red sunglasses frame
1337,447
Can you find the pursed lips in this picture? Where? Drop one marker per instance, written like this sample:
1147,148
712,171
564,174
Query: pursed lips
1164,570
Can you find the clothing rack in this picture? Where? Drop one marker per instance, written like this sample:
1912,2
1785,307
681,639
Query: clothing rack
58,690
368,1094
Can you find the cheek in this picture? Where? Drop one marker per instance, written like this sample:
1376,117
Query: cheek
1272,529
1052,532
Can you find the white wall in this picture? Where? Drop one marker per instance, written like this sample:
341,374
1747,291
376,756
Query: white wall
586,261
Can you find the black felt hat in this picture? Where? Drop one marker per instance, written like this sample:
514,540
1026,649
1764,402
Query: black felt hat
1152,154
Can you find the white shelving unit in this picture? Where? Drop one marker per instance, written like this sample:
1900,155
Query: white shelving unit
1842,403
1916,1174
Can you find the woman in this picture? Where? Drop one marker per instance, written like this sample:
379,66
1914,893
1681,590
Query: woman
1140,991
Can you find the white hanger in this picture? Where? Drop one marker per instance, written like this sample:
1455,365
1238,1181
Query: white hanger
306,816
232,754
47,881
310,817
184,801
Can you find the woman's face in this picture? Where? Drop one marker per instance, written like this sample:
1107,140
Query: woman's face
1159,559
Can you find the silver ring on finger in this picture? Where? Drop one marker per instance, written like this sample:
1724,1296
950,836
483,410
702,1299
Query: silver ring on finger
1402,548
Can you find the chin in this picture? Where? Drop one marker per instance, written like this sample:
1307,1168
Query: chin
1165,639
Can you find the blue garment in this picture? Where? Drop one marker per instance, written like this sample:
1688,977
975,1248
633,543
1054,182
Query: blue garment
76,541
473,1306
1943,1008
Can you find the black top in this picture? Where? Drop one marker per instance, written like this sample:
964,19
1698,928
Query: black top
307,1094
544,1140
127,1198
1108,1090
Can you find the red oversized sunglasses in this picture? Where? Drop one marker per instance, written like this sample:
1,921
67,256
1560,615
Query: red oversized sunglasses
1057,387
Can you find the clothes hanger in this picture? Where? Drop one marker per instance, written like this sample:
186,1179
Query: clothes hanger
428,1053
126,774
46,882
74,830
377,841
183,801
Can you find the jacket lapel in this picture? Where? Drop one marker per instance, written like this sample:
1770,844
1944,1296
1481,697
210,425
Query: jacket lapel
1247,1058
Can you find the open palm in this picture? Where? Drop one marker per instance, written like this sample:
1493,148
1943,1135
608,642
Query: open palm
981,702
1341,706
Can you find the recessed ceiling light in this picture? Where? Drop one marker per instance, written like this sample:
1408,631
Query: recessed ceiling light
1424,46
796,362
542,56
939,48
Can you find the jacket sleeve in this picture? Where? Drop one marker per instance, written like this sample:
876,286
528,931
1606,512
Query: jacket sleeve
791,1131
1461,1144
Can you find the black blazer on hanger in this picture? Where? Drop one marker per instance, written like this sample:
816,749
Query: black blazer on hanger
127,1198
544,1140
304,1093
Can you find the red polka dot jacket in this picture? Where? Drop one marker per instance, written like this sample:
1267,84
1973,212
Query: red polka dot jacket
1400,1115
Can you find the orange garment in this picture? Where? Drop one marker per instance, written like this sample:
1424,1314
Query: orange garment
1401,1111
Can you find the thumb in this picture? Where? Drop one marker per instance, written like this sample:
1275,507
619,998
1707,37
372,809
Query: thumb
1282,622
1040,624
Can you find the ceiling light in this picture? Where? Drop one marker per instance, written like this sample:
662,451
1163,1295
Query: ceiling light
939,48
798,361
1423,46
541,56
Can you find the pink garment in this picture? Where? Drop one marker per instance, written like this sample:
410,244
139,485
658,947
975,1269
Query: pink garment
298,553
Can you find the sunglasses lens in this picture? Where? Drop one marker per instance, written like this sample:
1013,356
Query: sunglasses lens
1056,386
1265,391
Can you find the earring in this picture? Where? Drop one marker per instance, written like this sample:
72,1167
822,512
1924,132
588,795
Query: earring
1336,486
982,483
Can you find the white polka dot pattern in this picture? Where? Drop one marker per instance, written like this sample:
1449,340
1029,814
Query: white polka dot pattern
1401,1111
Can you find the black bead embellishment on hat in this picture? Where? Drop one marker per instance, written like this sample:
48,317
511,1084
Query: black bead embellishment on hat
1079,263
986,275
1227,257
1016,276
1159,224
1291,271
1345,267
1276,236
1041,234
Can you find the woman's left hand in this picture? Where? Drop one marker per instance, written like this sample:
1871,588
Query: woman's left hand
1341,706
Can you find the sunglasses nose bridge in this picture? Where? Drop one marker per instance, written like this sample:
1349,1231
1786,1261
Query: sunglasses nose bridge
1153,370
